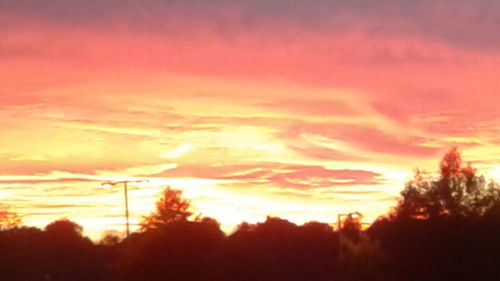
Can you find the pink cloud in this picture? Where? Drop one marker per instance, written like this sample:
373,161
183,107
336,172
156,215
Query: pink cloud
364,137
108,85
311,107
278,174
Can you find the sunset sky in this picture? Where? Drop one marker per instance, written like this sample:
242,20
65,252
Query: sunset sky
291,108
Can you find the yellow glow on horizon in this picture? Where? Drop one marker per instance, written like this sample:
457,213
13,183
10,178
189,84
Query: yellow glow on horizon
494,173
252,124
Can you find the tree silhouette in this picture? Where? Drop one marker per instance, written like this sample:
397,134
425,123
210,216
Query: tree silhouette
457,192
23,254
280,250
110,238
180,250
64,228
170,208
71,256
444,228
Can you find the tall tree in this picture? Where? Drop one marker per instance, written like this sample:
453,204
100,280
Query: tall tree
171,207
457,192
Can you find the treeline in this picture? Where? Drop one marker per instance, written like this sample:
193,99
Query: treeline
445,228
446,249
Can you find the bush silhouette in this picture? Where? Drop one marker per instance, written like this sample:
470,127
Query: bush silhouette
442,229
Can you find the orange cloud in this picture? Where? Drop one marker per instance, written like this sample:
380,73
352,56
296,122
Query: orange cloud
312,108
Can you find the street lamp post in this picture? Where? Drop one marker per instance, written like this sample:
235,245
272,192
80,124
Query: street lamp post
125,187
355,215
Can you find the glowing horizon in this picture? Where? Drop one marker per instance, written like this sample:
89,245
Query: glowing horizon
253,108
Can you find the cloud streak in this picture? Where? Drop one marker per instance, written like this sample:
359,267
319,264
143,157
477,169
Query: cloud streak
278,175
283,107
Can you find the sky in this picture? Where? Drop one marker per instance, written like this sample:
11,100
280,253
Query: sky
291,108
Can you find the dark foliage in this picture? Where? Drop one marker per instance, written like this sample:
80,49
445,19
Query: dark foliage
280,250
457,192
58,253
181,250
170,208
443,229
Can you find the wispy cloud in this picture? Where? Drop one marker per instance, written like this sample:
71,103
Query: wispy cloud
278,175
286,107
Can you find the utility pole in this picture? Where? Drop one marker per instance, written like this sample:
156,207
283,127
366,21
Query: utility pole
125,187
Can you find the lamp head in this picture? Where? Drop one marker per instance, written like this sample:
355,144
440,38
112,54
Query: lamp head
142,182
106,185
355,215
